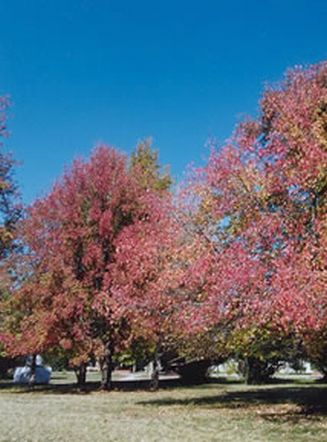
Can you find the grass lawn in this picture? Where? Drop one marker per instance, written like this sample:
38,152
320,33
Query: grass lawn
221,411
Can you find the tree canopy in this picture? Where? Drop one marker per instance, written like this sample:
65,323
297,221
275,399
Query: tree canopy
234,264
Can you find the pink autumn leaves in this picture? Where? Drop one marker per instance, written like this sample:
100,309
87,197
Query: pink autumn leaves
113,258
100,245
268,187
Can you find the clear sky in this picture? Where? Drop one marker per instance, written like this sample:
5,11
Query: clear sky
80,72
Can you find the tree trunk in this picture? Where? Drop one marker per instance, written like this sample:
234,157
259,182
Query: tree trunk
256,371
33,371
81,376
106,366
5,365
154,381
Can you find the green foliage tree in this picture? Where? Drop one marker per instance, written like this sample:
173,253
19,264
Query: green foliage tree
144,162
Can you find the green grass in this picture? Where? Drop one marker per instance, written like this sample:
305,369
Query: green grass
222,411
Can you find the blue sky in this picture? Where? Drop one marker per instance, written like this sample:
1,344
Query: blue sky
90,71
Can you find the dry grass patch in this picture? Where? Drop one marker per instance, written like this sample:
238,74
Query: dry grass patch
212,412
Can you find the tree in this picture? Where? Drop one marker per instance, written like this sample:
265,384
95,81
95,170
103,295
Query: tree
152,300
10,207
144,164
10,213
294,130
81,240
260,204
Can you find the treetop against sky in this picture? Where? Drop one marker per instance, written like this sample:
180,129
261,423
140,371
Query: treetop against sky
84,72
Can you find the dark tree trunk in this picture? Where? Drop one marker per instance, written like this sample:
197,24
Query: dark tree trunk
33,371
256,371
106,365
154,381
5,365
81,376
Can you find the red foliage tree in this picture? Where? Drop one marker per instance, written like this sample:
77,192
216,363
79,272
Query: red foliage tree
260,204
10,213
92,245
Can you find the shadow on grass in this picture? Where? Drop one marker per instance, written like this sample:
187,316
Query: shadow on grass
297,402
61,385
90,386
276,402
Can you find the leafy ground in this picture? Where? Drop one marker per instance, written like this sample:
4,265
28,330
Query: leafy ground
220,411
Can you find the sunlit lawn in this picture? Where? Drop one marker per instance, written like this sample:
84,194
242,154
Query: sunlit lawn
222,411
